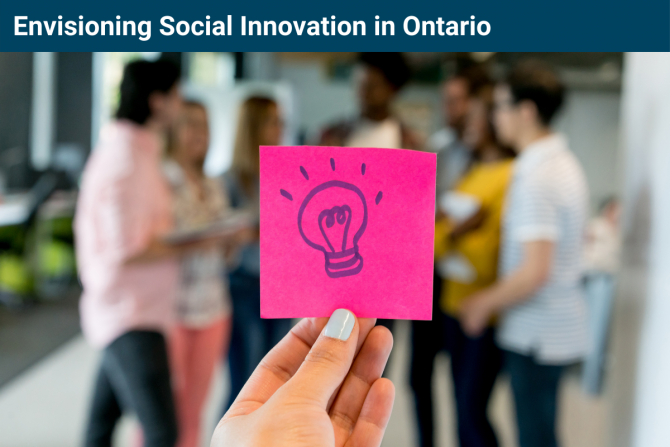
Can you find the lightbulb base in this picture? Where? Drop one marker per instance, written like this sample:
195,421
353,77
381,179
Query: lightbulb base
344,263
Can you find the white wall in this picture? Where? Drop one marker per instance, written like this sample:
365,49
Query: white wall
640,387
590,120
318,100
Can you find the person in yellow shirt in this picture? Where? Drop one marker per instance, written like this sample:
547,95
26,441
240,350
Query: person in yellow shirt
467,239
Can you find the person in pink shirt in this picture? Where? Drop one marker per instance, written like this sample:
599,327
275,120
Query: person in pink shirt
129,275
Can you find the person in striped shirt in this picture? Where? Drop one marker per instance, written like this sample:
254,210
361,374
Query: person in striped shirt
543,321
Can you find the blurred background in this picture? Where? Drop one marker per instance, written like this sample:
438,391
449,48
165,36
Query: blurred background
53,105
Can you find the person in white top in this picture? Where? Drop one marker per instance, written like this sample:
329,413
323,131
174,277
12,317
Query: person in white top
201,334
603,241
543,318
380,78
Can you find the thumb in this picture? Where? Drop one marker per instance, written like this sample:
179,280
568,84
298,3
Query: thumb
329,360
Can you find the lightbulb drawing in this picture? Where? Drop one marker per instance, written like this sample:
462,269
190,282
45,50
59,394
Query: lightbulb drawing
332,219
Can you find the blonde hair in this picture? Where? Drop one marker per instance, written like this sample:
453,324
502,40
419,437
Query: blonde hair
254,113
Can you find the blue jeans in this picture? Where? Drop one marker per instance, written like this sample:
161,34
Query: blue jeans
599,288
475,363
535,391
251,337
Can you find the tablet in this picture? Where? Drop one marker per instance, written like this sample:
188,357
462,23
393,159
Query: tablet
229,225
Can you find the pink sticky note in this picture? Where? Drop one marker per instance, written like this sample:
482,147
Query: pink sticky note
346,228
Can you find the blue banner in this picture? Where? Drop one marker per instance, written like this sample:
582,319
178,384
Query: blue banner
345,25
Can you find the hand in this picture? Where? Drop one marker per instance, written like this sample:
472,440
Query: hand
475,314
317,387
246,236
470,224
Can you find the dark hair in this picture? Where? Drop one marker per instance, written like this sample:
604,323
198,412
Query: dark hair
476,76
537,82
140,80
485,95
392,65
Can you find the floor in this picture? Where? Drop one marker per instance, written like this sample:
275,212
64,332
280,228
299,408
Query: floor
46,405
29,333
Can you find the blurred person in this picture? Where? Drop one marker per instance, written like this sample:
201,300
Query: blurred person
202,333
129,275
467,240
543,325
601,259
603,241
259,124
453,159
380,77
321,385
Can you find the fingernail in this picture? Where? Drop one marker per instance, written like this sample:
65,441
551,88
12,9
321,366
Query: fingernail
340,325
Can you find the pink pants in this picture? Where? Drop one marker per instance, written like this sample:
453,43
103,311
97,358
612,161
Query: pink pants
194,353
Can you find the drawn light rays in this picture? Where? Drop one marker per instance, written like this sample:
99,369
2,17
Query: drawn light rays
305,174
